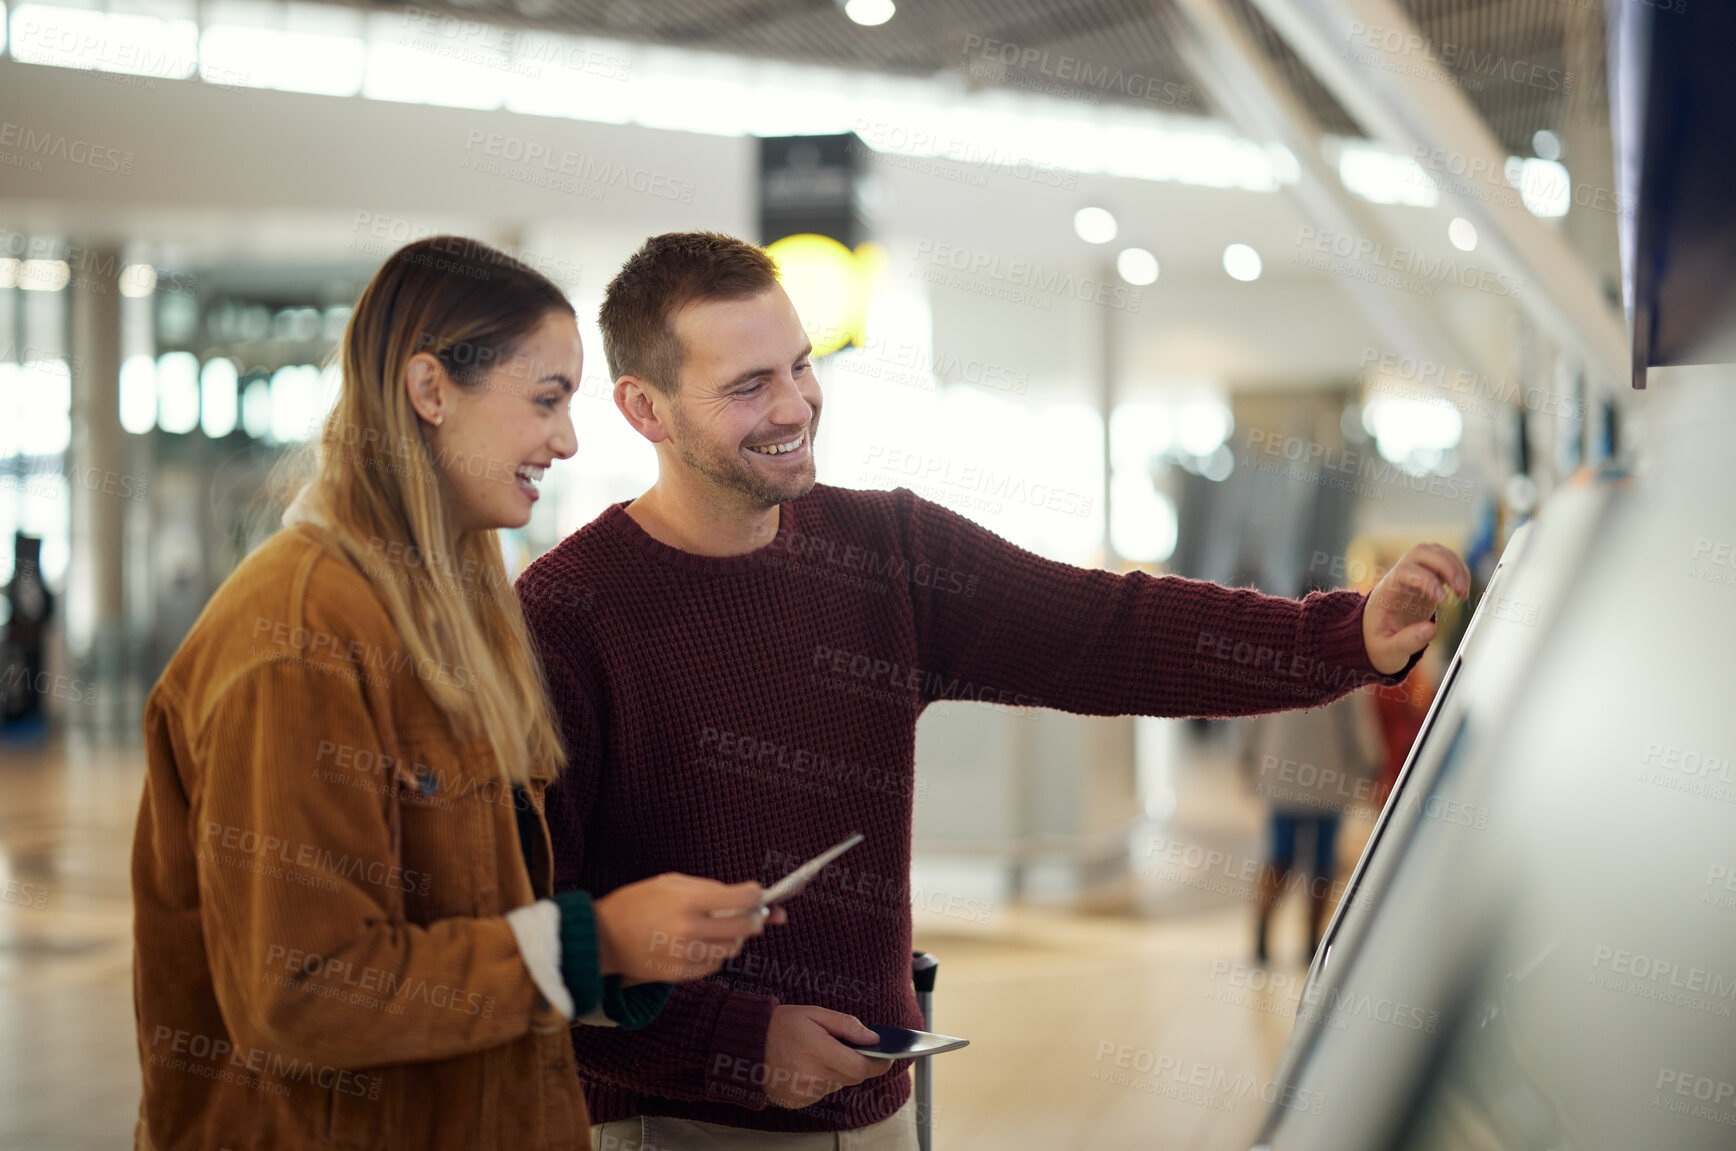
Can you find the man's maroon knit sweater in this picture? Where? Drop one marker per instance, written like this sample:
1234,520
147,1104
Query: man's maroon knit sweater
730,717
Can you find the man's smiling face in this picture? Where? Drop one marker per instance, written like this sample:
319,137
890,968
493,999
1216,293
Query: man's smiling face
748,403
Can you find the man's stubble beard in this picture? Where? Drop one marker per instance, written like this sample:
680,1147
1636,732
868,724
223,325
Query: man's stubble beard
731,473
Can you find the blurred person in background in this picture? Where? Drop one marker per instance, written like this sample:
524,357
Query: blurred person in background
749,695
30,607
1401,710
344,932
1309,767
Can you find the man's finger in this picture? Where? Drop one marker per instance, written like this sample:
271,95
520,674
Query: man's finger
851,1066
1445,565
1415,637
842,1026
1414,591
727,929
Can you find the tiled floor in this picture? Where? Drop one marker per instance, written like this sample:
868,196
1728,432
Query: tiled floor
69,1069
1142,1028
1139,1026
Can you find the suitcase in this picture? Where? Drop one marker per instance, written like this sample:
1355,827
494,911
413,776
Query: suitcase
923,968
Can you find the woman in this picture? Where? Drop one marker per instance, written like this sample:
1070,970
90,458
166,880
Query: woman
344,930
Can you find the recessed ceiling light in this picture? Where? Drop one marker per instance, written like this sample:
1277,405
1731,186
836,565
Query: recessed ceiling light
1463,234
1094,225
870,13
1137,266
1242,262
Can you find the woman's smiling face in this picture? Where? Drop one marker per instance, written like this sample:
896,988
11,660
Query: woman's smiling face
492,441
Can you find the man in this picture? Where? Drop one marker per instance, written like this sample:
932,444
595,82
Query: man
740,691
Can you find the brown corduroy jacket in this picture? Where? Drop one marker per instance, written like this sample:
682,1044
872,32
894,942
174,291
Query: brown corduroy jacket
320,874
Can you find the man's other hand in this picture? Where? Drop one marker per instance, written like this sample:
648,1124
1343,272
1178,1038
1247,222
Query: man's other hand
1398,620
805,1059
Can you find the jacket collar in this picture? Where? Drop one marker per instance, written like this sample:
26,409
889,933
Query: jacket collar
305,508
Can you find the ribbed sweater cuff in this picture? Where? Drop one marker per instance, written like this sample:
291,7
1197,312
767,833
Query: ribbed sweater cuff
633,1007
579,964
537,929
1342,646
737,1072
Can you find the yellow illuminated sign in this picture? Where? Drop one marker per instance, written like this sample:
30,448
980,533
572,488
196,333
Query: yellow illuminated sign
829,285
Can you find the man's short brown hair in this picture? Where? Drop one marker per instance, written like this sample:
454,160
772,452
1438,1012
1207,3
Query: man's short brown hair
670,272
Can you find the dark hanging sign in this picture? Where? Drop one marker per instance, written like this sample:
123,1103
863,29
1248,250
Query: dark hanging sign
808,184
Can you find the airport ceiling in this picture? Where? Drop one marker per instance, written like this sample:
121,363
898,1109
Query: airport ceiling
1490,38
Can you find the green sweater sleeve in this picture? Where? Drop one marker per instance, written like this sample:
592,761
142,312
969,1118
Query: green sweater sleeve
630,1007
633,1007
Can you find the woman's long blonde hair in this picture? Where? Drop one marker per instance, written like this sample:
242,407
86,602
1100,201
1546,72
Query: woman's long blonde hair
383,500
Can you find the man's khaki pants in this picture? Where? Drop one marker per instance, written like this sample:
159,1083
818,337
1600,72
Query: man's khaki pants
656,1133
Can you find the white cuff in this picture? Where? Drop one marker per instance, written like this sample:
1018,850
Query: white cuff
537,928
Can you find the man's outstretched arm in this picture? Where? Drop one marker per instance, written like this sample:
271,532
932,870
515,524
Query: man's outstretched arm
1038,633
